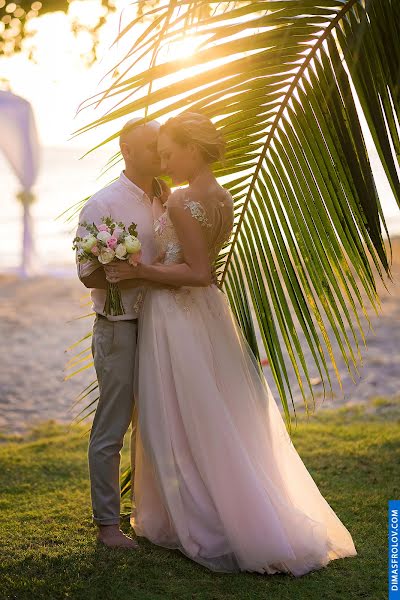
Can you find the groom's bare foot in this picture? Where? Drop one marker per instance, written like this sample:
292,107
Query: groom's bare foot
113,537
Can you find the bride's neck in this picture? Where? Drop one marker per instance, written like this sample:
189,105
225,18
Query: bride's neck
201,175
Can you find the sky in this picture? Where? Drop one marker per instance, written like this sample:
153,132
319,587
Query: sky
58,80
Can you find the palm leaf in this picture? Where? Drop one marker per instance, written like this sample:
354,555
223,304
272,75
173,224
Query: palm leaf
282,79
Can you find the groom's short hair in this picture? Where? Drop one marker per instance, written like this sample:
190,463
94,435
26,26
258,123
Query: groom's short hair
131,125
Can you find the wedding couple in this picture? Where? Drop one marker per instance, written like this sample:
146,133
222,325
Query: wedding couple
214,472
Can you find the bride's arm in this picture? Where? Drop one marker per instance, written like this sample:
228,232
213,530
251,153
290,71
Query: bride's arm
194,271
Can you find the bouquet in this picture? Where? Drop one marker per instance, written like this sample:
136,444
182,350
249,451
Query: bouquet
105,243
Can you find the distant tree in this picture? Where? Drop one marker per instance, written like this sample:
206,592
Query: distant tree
15,16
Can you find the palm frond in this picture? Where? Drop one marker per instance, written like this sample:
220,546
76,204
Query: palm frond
285,81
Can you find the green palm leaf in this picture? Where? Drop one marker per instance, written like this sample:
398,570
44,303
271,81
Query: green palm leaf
278,77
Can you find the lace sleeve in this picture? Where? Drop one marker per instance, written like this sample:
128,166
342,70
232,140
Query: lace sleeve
181,199
197,211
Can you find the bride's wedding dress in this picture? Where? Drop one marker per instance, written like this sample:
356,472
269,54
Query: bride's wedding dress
216,473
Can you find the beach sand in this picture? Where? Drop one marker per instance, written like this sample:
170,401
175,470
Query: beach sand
39,320
36,329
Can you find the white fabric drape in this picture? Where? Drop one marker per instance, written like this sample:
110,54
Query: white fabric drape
19,142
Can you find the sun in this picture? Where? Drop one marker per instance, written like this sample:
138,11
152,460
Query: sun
180,49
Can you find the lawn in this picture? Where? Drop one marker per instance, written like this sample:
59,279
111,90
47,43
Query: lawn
47,541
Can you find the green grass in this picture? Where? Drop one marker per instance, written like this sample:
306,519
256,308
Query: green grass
47,541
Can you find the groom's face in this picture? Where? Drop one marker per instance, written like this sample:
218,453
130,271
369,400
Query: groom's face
139,149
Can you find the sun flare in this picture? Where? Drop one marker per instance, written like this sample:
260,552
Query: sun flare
180,49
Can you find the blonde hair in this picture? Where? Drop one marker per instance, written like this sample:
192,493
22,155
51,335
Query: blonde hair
194,128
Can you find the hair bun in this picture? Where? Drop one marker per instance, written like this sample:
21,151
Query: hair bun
190,127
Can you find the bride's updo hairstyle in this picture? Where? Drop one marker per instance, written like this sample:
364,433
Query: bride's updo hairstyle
194,128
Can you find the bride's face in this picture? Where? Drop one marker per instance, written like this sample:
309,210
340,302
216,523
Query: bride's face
178,161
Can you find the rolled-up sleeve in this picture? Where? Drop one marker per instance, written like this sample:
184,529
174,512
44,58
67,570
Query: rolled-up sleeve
92,212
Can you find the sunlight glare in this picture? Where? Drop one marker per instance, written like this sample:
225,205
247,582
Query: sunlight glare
180,49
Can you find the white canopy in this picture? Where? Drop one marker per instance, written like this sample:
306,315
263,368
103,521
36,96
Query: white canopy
19,142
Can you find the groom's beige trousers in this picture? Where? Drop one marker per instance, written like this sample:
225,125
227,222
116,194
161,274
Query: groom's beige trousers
113,348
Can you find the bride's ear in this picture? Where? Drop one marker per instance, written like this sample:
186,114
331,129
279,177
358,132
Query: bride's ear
193,151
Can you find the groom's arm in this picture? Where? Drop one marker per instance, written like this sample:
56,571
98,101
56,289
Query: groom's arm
96,280
91,273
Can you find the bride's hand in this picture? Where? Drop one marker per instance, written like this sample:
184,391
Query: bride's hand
120,270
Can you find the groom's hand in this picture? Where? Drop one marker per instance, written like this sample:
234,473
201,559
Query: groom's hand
214,277
165,191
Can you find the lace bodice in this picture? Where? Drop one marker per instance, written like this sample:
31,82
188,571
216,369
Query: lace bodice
216,218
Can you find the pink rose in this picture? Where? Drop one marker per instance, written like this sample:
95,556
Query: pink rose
95,250
112,242
134,258
103,228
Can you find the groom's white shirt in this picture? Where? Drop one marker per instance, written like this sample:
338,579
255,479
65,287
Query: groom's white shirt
123,201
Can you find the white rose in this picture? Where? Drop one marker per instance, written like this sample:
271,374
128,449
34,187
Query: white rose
106,255
88,242
103,236
132,244
117,232
120,251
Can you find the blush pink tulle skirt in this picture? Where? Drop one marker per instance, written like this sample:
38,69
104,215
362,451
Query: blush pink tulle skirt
215,473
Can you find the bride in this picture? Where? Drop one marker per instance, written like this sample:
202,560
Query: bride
216,473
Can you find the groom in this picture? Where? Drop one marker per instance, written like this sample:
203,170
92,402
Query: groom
114,338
